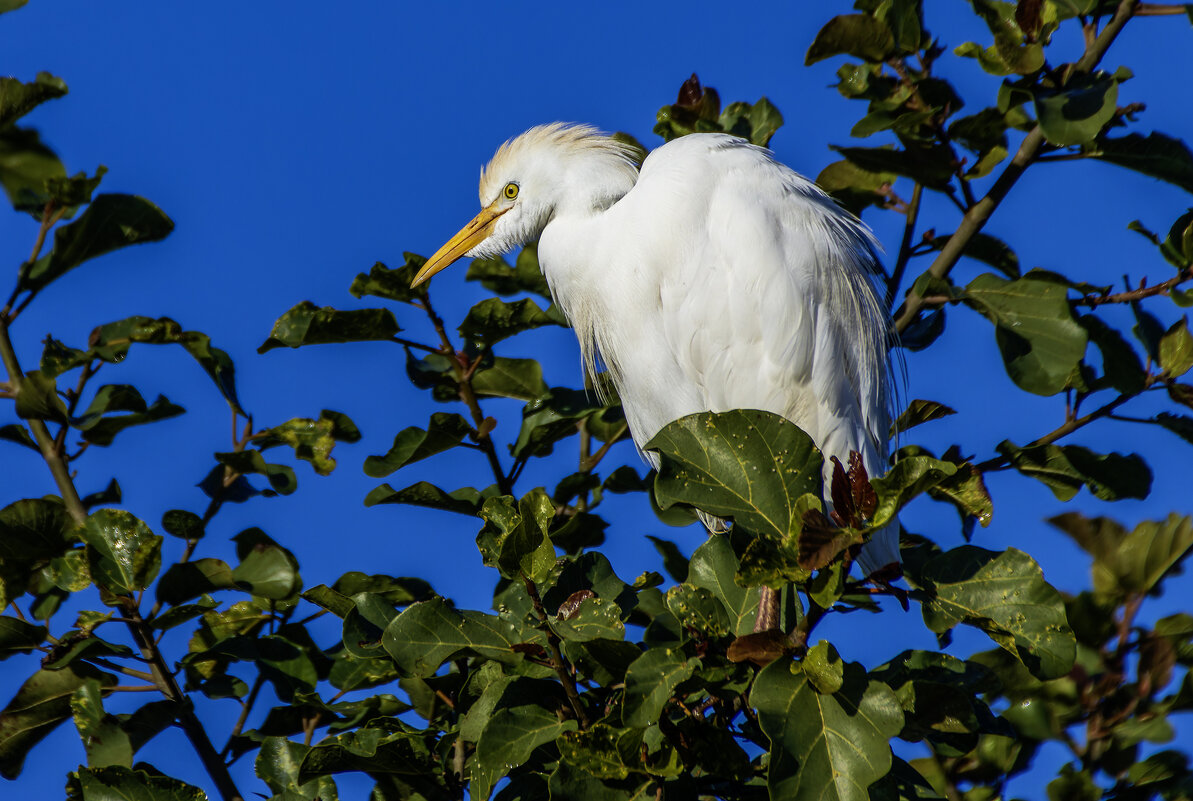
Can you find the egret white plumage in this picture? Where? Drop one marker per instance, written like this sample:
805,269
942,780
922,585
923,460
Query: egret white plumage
713,279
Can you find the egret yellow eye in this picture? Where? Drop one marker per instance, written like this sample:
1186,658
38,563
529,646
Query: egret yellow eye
511,191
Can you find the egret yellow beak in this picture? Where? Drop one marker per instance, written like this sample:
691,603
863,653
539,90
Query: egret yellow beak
469,237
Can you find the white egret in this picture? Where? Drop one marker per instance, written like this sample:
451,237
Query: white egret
715,278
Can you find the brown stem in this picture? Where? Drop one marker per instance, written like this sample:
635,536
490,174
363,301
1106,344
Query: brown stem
1093,301
977,215
589,464
803,630
557,660
1158,10
136,674
245,709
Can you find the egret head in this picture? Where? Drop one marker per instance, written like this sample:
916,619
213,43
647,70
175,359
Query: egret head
529,179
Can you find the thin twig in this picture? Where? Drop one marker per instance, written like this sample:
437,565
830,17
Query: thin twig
557,660
1093,301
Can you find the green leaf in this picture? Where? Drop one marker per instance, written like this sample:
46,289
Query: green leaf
33,529
382,747
26,165
756,123
103,430
858,35
856,188
988,250
824,746
281,477
1176,349
594,619
111,222
824,668
41,703
15,432
429,633
551,417
650,681
269,570
105,741
1120,363
123,552
515,536
507,741
185,580
497,276
932,166
747,465
1156,154
120,783
17,99
602,750
11,5
919,412
37,398
1126,564
1003,594
510,378
909,478
312,440
111,342
466,500
390,284
1179,424
307,324
18,636
713,567
1077,113
183,524
1041,343
278,763
444,432
1067,468
697,608
493,319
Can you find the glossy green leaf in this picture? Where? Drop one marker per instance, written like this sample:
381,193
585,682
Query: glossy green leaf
307,324
112,221
824,668
278,764
120,783
521,379
858,35
594,619
909,478
932,166
37,398
394,284
493,319
515,536
15,432
824,746
40,704
429,633
444,432
111,342
650,681
746,465
507,741
103,430
248,462
551,417
1067,468
1003,594
123,552
697,608
754,122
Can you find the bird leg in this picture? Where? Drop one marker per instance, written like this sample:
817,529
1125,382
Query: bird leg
768,611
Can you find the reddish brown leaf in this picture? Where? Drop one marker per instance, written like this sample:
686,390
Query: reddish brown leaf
820,542
1181,393
843,508
533,650
1027,16
690,93
865,500
1157,657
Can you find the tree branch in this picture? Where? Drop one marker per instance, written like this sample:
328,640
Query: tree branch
557,661
977,215
1093,301
905,246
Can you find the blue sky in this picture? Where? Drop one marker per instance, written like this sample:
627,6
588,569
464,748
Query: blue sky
294,145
